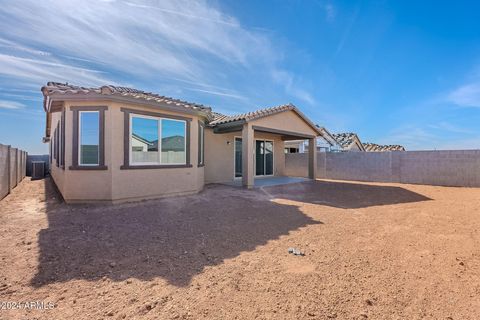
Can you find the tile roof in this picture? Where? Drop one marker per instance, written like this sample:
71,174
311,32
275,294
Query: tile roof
221,118
53,88
373,147
345,139
54,91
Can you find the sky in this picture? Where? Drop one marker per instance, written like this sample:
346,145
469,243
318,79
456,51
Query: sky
394,72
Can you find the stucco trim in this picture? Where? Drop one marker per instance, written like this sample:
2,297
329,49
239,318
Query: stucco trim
126,140
62,133
123,99
201,147
156,166
155,114
283,132
101,144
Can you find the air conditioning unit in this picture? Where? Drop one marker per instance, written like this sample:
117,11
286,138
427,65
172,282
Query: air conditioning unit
38,170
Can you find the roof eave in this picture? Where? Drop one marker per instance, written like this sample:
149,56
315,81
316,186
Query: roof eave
126,99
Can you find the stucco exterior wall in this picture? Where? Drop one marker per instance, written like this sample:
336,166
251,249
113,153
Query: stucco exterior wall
442,168
219,155
287,121
57,173
115,184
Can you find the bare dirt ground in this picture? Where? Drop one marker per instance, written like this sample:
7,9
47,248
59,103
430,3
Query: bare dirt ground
373,251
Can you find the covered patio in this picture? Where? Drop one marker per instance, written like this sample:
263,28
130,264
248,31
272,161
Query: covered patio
254,136
270,181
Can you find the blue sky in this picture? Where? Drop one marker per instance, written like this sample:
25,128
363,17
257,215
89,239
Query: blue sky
394,72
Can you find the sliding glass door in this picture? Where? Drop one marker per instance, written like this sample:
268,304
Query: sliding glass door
263,157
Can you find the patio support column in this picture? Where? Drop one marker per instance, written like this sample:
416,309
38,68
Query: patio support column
247,156
312,158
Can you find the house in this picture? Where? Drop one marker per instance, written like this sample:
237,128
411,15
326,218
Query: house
373,147
325,143
349,141
117,144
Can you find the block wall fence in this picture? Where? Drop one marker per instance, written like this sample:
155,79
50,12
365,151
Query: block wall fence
13,165
440,168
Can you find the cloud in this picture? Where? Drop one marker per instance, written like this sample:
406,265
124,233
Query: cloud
446,126
174,38
140,41
34,70
219,93
330,12
466,96
288,81
6,104
411,137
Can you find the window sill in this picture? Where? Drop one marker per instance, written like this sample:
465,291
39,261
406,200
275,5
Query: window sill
155,166
88,168
201,165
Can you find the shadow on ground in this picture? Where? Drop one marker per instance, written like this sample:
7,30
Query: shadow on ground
345,195
174,238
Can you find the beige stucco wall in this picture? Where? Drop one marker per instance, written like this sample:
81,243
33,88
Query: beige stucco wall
114,184
57,173
219,148
219,155
287,121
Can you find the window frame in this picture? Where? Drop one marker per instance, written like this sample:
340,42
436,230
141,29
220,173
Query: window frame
57,145
80,112
76,138
159,128
160,137
127,139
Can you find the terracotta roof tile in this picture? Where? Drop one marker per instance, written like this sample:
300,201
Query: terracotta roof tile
220,118
345,139
373,147
64,88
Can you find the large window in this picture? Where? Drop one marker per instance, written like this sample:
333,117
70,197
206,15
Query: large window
156,140
89,138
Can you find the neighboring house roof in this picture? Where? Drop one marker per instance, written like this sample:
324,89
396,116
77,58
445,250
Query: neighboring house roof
348,139
373,147
141,139
220,119
327,136
172,143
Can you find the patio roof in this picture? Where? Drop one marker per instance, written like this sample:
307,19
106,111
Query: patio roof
223,123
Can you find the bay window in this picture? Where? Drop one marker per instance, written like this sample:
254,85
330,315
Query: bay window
157,141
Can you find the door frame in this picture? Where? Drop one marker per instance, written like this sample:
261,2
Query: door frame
254,154
264,162
234,153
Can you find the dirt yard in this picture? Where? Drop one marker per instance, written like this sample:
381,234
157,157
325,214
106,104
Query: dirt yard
372,251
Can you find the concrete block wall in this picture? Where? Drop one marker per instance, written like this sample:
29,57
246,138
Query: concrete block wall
4,172
13,168
13,165
442,168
